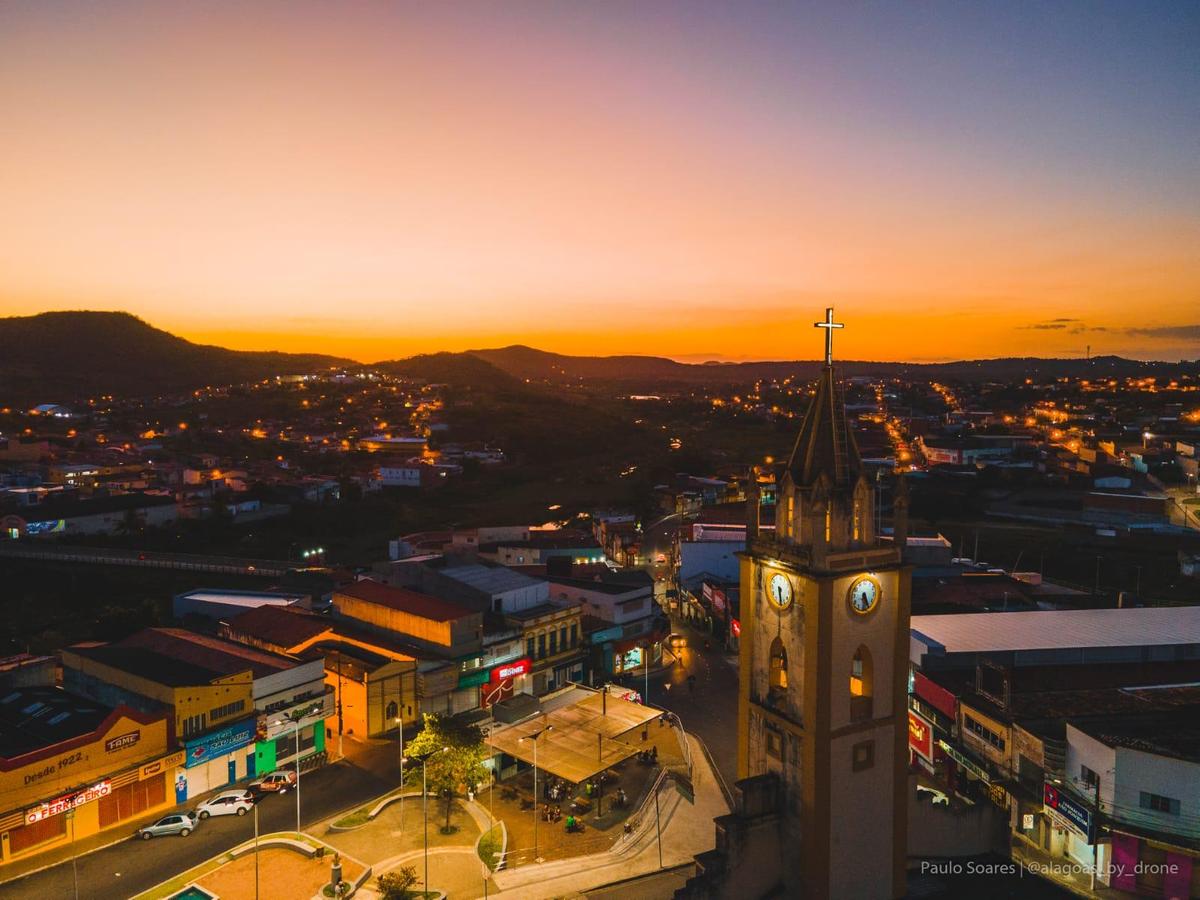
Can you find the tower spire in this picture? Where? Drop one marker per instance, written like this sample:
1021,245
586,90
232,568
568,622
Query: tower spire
828,325
826,443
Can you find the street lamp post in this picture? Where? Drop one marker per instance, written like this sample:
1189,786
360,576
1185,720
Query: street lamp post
296,733
534,737
255,851
423,759
400,722
294,721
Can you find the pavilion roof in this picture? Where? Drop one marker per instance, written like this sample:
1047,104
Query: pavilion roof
585,737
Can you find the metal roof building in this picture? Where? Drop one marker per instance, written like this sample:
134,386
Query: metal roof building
1060,637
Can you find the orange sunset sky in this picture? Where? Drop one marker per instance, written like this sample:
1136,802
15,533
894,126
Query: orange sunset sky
691,180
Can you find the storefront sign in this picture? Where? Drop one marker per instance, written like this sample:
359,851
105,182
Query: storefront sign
161,765
210,746
68,801
935,695
715,596
971,767
511,669
121,741
474,679
1066,812
735,627
920,736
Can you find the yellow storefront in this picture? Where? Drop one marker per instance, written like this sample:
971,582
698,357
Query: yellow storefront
86,784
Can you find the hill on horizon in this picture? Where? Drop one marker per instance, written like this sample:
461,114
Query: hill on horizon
62,357
65,356
539,365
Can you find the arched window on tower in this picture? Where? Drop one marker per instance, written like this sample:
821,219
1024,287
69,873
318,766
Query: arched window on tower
789,512
828,524
778,672
862,682
857,518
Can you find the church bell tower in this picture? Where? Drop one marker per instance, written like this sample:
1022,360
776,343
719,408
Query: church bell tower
823,668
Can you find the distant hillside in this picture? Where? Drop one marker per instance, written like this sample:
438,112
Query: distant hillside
648,371
65,356
458,369
62,357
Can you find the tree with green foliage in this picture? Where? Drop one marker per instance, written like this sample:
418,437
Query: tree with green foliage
456,754
397,884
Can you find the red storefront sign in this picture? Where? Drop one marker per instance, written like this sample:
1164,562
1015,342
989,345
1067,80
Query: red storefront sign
936,696
736,627
508,670
715,596
69,801
920,736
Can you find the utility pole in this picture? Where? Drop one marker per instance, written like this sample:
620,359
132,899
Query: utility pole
339,708
1096,834
74,863
646,663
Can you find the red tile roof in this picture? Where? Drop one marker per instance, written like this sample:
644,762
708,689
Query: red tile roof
417,604
281,626
225,657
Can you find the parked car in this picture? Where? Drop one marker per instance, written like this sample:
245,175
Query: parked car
181,824
230,803
276,782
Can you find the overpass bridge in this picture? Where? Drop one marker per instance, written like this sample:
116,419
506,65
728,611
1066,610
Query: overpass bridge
147,559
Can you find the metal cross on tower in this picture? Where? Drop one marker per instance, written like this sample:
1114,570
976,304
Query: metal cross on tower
828,325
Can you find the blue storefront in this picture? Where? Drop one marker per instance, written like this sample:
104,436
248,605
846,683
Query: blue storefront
217,759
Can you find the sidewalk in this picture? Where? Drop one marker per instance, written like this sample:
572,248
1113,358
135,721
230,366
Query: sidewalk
120,833
686,831
1060,871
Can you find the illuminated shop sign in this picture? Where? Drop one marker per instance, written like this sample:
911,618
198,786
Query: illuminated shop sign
1066,812
920,736
67,801
511,669
218,743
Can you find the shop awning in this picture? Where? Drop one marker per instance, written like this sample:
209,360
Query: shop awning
584,737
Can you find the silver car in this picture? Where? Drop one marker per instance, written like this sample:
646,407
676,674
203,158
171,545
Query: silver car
230,803
182,824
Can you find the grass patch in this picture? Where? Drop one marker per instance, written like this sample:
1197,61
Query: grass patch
358,817
489,845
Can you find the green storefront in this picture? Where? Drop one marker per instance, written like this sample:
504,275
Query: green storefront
280,751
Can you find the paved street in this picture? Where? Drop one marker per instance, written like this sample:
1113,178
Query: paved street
709,710
129,867
658,539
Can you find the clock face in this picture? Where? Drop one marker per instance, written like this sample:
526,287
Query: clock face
864,594
779,589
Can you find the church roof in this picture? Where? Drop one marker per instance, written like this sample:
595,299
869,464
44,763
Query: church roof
826,442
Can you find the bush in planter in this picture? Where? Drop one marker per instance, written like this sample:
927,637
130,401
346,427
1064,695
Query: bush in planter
397,884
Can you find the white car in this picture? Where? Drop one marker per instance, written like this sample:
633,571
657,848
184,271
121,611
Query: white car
230,803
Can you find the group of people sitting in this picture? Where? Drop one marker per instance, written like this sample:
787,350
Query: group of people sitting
648,756
552,814
554,790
